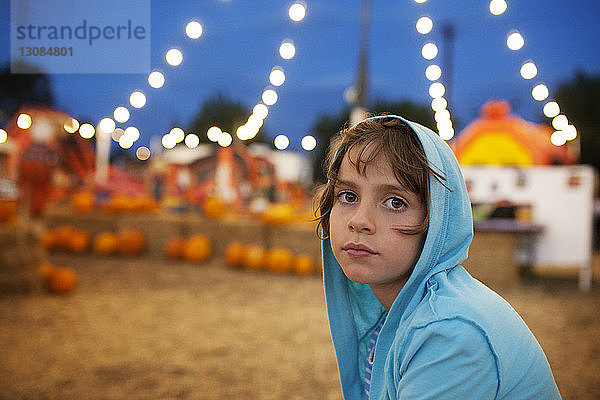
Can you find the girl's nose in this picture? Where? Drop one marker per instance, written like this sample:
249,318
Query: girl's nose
362,220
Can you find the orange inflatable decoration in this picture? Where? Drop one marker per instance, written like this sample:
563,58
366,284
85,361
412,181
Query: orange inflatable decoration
501,138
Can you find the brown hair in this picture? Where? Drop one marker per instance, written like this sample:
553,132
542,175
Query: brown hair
400,145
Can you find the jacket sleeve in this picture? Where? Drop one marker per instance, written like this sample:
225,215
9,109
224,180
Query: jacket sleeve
447,359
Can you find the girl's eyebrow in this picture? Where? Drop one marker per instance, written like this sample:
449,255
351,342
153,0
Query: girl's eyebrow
340,182
380,188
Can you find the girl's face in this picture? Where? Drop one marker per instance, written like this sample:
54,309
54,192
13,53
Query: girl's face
363,225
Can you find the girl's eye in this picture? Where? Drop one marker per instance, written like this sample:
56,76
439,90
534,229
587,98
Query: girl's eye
347,197
395,203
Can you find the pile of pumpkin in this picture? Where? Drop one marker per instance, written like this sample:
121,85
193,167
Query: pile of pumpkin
59,280
84,201
127,242
196,248
254,257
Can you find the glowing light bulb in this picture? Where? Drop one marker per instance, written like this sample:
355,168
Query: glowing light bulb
528,70
121,114
156,79
174,57
193,29
260,110
142,153
281,142
446,133
424,25
3,136
269,97
540,92
168,141
132,133
107,125
287,50
125,142
87,131
420,1
297,12
71,125
137,99
225,139
429,51
442,115
433,72
213,133
438,103
24,121
277,76
570,132
309,143
558,138
560,122
192,140
178,134
436,89
551,109
498,7
515,41
117,134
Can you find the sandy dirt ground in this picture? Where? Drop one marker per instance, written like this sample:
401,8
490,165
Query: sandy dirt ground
162,330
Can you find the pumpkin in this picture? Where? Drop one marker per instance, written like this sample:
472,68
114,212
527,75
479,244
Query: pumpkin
8,210
48,240
278,214
197,248
83,201
175,247
62,280
254,259
78,241
303,264
234,254
279,259
214,208
106,242
131,242
46,269
62,235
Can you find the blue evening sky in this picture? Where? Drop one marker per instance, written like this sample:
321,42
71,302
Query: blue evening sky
241,38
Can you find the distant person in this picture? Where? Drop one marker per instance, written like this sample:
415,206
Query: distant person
407,320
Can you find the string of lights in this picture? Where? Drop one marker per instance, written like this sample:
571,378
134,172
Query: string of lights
156,79
433,73
564,131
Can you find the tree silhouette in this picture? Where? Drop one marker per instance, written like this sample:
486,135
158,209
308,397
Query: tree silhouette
219,110
579,100
17,90
327,125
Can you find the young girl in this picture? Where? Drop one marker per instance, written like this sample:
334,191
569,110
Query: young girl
407,320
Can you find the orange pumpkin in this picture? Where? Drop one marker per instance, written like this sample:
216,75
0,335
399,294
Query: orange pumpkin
8,210
175,247
78,242
62,280
279,259
106,242
197,248
278,214
46,269
49,240
131,242
303,264
62,236
255,257
214,208
234,254
83,201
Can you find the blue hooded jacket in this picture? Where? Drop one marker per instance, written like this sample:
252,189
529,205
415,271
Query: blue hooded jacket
446,336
